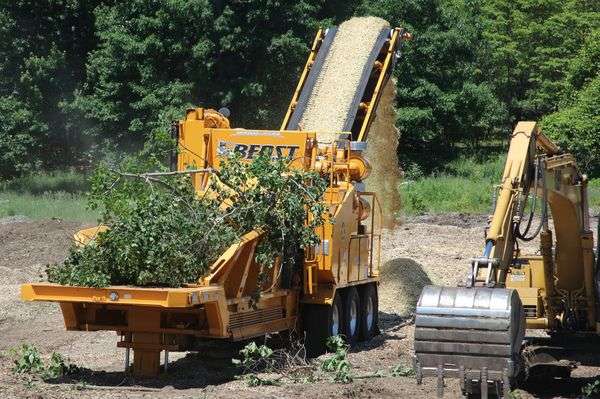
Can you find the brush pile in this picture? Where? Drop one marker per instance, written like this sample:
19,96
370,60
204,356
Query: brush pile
162,233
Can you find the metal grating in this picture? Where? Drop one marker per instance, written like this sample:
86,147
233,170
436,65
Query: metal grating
530,311
239,320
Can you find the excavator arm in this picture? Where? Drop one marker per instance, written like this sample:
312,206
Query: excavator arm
521,173
500,237
476,332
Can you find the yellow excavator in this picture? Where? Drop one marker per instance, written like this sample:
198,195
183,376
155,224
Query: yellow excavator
476,332
328,290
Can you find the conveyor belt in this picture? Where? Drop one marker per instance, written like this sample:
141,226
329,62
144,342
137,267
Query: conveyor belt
309,85
365,79
311,105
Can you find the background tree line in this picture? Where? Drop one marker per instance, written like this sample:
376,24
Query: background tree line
80,79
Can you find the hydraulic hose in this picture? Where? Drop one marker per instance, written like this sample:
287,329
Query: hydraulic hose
523,236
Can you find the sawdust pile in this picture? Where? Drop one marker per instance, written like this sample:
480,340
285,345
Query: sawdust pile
402,280
381,152
336,84
419,253
430,250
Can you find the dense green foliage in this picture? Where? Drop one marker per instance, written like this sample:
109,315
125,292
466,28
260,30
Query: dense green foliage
577,125
532,44
80,79
160,232
43,53
444,97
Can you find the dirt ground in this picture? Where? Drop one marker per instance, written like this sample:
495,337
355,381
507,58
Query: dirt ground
424,250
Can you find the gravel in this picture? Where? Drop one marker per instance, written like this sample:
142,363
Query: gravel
414,254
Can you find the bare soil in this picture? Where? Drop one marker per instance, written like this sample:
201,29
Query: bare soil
424,250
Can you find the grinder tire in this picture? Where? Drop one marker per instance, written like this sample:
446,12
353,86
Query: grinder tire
369,315
321,322
352,315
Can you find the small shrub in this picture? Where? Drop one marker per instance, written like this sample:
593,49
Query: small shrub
287,362
255,358
401,370
591,390
337,363
29,361
58,366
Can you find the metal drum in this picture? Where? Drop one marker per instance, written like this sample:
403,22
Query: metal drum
474,334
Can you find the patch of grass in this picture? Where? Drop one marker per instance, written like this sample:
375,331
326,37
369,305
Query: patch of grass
442,194
476,169
41,183
464,185
58,195
61,205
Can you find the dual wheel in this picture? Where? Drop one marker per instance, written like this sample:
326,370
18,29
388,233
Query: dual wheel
353,315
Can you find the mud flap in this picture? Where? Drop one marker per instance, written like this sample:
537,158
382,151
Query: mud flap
474,334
